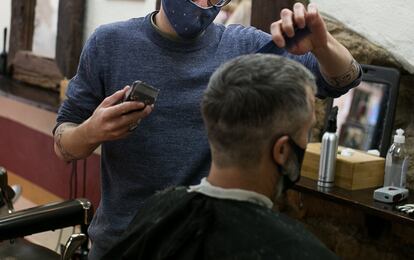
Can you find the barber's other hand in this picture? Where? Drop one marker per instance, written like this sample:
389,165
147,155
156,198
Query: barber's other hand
299,18
112,120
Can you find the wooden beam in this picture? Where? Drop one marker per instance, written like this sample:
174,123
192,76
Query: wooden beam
36,70
22,27
69,36
264,12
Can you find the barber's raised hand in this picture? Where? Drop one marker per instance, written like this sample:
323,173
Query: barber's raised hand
113,120
299,18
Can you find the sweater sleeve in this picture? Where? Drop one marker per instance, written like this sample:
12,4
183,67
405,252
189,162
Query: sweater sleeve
86,89
324,88
309,61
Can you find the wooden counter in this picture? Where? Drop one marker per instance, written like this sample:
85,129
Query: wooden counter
360,199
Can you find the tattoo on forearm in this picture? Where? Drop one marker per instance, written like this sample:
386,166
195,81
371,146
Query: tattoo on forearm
58,136
350,75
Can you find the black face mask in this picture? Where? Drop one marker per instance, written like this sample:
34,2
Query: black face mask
290,178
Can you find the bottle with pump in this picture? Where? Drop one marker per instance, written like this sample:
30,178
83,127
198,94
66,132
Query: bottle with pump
396,162
329,148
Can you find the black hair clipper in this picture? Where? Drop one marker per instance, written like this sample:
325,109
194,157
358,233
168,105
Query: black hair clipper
142,92
271,47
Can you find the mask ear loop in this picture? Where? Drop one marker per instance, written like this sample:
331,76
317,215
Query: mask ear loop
298,153
284,181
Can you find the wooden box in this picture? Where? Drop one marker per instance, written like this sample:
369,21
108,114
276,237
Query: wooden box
358,171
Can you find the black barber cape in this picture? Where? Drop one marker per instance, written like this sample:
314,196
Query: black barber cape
175,224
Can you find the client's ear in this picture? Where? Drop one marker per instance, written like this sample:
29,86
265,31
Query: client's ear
281,150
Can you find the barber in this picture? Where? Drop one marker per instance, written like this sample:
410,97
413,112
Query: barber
175,49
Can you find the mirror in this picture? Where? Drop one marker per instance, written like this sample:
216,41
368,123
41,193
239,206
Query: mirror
366,113
32,58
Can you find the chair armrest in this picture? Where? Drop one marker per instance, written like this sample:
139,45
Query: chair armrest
46,217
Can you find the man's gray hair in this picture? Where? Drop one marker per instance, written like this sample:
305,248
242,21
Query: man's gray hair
252,100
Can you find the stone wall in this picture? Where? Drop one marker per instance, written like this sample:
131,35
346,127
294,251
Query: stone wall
346,230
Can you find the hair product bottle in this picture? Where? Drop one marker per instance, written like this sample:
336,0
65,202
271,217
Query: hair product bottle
329,148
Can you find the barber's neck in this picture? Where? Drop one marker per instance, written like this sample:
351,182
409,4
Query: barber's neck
261,179
163,24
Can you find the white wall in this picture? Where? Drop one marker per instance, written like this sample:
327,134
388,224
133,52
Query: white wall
389,24
105,11
45,28
5,13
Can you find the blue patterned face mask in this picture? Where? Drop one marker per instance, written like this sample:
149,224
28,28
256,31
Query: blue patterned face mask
187,18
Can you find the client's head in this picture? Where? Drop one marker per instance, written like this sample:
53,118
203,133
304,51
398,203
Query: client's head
258,110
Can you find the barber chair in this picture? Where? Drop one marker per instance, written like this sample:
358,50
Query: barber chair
17,224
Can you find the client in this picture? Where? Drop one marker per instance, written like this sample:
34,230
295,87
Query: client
257,110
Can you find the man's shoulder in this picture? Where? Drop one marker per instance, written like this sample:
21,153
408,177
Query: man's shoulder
248,39
264,232
244,31
119,28
171,192
166,198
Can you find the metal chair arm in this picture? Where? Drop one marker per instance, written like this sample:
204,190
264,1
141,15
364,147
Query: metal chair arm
46,217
